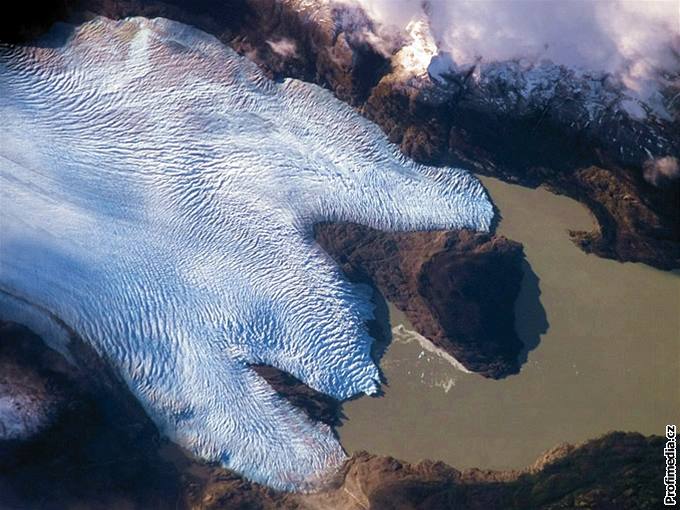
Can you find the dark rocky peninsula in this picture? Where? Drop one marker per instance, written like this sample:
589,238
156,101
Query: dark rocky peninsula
457,288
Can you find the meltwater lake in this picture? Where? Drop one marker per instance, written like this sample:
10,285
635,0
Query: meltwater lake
607,356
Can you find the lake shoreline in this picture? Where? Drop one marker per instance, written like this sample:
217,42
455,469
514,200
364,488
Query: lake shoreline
590,366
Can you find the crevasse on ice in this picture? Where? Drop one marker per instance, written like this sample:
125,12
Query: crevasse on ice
158,195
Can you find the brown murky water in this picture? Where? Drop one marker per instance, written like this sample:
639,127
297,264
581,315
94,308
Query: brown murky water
608,357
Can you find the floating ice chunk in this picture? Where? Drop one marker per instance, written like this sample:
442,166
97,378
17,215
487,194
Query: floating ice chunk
158,196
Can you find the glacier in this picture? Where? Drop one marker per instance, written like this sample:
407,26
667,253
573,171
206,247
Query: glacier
158,194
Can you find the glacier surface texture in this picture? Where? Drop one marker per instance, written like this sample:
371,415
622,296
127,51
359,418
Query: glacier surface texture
158,196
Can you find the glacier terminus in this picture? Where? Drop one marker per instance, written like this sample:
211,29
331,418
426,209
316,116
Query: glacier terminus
158,195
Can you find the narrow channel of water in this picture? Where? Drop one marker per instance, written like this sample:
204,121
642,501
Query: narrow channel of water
608,357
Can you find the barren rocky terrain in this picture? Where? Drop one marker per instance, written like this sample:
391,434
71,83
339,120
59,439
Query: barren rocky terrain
99,450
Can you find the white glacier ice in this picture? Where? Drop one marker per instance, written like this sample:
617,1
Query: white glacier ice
158,194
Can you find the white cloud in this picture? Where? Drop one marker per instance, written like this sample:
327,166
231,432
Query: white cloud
285,48
633,39
661,170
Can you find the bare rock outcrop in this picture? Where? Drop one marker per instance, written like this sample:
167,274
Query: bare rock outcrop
458,288
101,451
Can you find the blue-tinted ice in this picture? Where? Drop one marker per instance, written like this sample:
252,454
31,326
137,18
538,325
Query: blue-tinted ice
158,194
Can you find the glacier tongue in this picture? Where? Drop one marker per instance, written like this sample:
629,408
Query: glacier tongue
158,196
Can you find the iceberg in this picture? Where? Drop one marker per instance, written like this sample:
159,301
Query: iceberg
158,194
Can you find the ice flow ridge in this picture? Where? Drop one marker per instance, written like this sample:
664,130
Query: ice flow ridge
158,196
